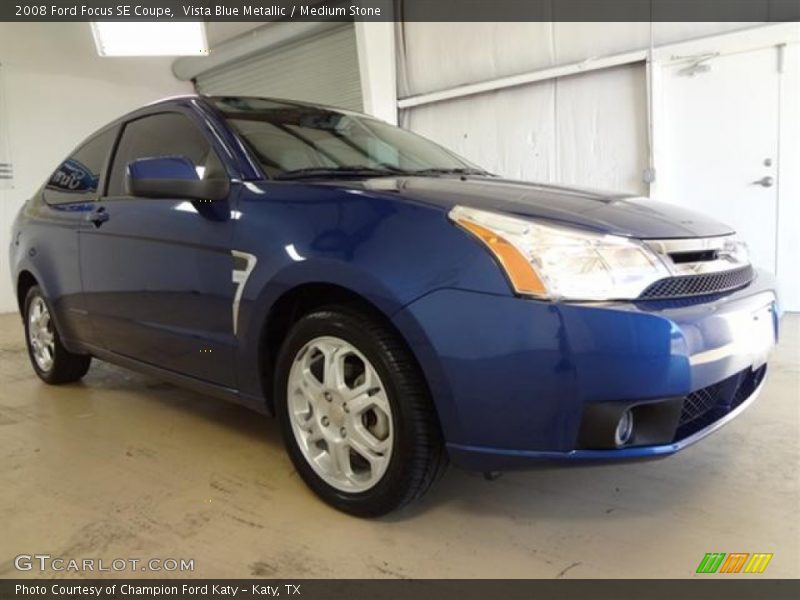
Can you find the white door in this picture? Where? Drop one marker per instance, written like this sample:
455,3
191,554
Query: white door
720,143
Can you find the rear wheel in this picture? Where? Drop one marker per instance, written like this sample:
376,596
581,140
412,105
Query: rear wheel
356,414
52,362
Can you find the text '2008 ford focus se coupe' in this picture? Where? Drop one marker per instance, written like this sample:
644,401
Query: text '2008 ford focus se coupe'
393,305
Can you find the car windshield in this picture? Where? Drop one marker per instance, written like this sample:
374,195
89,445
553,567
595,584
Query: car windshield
297,141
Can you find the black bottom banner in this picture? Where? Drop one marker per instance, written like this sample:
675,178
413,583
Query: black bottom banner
324,589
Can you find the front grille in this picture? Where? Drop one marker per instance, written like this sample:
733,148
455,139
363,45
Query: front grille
698,403
698,285
706,405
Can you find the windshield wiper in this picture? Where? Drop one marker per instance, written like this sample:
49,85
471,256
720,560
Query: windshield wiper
347,171
450,171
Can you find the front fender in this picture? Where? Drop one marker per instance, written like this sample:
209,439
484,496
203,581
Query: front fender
256,310
385,249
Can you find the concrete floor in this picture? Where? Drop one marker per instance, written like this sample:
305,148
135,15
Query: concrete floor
123,466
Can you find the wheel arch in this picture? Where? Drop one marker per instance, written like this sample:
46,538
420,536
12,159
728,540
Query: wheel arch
25,281
299,301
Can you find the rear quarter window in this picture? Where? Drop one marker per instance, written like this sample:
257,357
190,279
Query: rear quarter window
78,178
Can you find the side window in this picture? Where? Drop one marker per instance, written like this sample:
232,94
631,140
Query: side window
77,178
165,134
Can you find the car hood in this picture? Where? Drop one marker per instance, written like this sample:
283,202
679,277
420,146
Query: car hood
613,213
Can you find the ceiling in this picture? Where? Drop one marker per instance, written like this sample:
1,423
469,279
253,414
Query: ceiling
218,32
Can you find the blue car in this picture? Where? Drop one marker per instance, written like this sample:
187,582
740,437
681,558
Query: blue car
395,306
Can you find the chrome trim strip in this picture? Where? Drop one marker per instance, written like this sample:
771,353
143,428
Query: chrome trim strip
721,265
240,277
724,261
669,246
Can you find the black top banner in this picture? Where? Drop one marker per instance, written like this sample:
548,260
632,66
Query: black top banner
400,10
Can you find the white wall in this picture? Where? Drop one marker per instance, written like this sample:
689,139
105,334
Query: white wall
57,91
586,129
437,56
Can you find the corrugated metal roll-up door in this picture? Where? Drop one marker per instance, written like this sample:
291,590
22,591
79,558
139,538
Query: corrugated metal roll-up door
322,69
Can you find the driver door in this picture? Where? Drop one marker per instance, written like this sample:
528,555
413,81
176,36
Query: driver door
157,272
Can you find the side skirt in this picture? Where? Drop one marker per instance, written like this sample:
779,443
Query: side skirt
184,381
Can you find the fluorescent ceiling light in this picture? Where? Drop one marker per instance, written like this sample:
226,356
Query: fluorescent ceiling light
176,38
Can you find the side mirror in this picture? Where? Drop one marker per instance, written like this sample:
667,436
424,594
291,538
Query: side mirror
172,177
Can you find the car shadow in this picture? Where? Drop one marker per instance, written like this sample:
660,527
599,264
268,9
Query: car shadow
553,491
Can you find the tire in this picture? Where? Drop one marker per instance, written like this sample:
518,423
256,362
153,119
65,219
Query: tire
400,447
56,364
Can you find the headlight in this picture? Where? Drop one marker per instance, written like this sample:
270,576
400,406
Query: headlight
547,261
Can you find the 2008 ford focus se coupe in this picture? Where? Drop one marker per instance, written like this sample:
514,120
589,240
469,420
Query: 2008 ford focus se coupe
395,306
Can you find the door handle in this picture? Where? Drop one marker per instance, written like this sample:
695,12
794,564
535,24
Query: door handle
99,216
765,181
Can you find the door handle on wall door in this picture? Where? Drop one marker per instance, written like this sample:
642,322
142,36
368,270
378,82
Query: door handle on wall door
99,216
765,181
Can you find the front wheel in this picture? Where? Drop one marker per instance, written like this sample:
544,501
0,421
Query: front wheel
52,362
356,414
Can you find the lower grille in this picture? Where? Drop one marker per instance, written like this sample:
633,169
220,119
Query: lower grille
706,405
697,285
698,403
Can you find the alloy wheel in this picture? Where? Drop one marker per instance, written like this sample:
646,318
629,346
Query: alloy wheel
41,334
340,414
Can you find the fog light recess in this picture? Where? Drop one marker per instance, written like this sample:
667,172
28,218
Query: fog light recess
624,431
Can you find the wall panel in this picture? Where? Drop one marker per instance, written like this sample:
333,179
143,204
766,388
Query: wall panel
587,129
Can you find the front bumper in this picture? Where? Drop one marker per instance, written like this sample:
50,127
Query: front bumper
514,379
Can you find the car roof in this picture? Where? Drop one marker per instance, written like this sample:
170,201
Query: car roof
214,99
